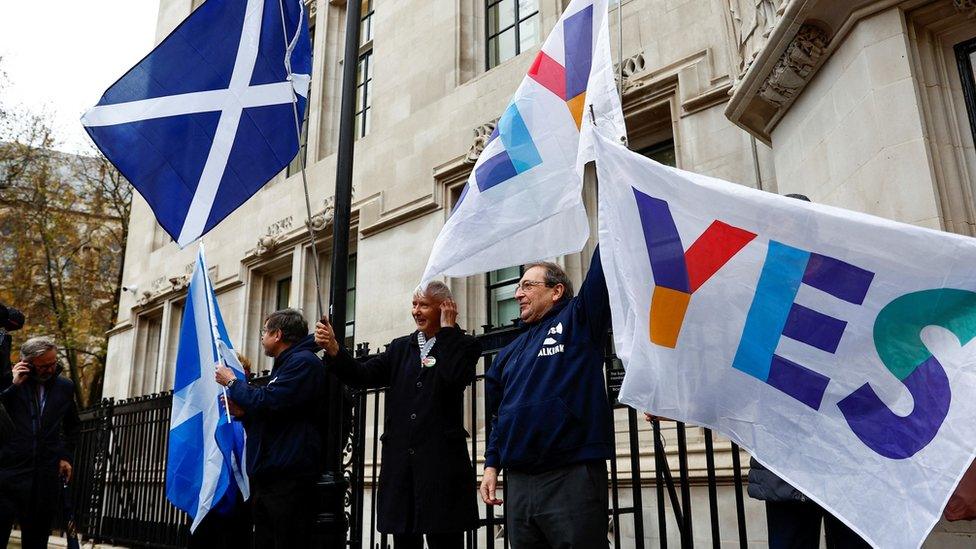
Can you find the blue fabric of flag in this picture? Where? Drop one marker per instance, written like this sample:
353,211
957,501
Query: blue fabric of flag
205,460
164,154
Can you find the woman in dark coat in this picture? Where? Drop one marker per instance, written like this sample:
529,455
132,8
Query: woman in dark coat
427,481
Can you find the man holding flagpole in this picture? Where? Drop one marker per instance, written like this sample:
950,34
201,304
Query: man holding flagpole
284,447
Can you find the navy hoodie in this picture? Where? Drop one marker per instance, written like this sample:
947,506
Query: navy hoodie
546,392
281,418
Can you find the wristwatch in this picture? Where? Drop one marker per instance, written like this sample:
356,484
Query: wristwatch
231,382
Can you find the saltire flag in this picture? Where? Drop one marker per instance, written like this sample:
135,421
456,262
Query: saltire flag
205,464
522,201
835,346
210,115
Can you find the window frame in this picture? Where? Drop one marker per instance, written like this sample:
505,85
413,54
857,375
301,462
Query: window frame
492,287
364,67
967,78
516,24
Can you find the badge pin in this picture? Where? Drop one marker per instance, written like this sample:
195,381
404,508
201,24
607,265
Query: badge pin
429,362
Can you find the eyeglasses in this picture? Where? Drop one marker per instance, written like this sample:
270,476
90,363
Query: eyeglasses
526,284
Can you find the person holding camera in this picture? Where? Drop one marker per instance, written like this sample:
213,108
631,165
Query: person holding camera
37,457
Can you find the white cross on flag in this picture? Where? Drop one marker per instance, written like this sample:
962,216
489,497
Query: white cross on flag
210,115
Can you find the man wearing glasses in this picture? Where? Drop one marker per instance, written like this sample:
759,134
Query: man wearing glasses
549,414
37,457
284,444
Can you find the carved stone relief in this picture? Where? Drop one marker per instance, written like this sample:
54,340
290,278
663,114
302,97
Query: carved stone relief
752,23
481,135
795,66
632,66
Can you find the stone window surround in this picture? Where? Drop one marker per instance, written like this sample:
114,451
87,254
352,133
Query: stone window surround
933,32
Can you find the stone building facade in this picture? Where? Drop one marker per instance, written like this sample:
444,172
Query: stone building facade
863,104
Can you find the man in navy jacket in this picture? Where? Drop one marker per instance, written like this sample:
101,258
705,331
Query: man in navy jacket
38,455
284,444
549,414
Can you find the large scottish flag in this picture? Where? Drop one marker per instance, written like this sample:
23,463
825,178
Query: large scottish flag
205,467
523,199
210,115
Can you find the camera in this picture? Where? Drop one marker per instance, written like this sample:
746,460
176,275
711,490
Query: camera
10,319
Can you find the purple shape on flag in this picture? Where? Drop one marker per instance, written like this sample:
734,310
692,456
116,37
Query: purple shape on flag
494,170
578,37
814,328
663,243
797,381
837,278
894,436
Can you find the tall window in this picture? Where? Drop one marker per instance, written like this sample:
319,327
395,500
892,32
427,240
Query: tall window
966,62
502,306
511,27
351,302
364,73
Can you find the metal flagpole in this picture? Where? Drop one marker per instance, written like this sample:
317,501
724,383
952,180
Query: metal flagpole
213,321
335,399
301,157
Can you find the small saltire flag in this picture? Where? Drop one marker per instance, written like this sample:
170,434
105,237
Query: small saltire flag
835,346
522,201
205,466
210,115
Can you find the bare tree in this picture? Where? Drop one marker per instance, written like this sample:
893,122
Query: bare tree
63,220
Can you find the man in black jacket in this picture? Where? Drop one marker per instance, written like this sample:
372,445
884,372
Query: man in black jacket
425,486
284,445
39,453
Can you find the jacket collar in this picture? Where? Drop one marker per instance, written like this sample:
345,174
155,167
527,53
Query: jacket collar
306,343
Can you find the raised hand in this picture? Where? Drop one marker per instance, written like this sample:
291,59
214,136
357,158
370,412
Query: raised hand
449,313
325,337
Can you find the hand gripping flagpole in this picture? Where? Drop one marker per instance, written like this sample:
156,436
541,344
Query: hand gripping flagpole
219,359
289,46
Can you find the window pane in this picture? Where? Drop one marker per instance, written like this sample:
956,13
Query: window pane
662,152
501,16
511,273
283,294
501,48
351,273
528,33
504,307
527,8
366,124
350,307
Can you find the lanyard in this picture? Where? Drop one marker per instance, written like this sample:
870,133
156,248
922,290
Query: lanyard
425,346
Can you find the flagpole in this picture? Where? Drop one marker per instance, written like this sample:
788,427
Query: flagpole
214,332
301,156
334,443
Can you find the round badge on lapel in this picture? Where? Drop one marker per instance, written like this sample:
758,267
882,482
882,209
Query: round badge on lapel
429,362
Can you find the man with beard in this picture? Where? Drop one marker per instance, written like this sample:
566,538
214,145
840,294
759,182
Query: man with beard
284,445
38,456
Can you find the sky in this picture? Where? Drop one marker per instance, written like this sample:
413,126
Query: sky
60,55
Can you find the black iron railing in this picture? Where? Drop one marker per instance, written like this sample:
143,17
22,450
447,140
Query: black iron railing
673,490
119,488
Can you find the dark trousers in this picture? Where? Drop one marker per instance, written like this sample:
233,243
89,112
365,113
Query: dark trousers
560,509
796,525
34,515
450,540
284,513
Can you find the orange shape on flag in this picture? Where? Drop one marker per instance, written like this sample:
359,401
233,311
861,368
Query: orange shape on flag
668,309
576,105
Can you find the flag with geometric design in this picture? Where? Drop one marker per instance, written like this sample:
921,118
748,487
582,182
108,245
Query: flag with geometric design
522,201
